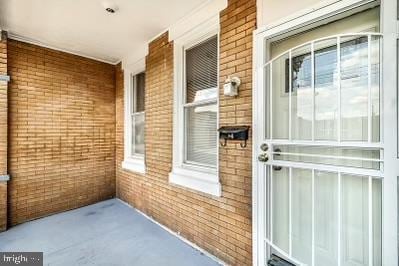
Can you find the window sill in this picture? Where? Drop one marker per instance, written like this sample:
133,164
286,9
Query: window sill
134,165
201,181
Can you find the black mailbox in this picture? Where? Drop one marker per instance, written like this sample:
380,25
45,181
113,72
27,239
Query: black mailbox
234,133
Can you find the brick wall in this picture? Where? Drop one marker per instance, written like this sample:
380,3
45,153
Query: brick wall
61,131
222,225
3,136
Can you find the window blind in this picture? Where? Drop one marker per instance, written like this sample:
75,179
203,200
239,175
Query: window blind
201,71
140,90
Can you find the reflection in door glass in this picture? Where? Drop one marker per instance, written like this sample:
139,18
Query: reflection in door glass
280,207
302,93
267,99
354,89
326,227
375,88
333,209
355,220
302,215
326,90
377,221
280,97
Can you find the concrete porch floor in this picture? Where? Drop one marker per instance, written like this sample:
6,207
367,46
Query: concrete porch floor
106,233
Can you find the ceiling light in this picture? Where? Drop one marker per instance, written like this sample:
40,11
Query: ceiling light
110,7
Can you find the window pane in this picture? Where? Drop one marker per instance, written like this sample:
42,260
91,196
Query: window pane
138,133
201,71
140,93
201,136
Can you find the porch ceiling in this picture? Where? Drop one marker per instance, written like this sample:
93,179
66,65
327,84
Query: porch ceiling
85,28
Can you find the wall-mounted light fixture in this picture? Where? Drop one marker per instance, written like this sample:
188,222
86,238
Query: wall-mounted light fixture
230,87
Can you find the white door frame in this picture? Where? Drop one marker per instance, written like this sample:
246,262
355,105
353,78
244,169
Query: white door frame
288,26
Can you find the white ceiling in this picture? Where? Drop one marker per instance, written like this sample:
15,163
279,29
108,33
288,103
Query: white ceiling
84,27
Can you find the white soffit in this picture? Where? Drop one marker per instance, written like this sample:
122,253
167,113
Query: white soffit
205,13
199,16
85,28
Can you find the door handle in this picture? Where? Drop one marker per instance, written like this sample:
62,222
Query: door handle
263,157
264,147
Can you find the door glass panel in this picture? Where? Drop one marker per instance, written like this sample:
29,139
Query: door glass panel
375,88
326,90
354,206
377,222
302,93
302,215
280,207
354,88
267,99
280,93
326,210
342,156
354,223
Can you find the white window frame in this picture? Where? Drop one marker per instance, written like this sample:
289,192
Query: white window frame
307,19
196,177
131,162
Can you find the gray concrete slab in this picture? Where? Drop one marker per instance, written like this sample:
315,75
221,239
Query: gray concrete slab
106,233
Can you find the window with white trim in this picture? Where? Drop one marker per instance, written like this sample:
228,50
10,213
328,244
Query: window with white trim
200,104
134,123
195,142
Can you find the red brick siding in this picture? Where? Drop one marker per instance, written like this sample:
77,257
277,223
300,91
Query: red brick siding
3,136
222,225
62,131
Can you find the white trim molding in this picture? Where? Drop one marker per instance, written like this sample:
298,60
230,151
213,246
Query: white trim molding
131,162
205,182
198,178
134,165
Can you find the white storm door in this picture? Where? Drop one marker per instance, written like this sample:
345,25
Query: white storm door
320,160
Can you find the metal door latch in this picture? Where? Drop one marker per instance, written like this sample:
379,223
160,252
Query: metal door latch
264,147
263,157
